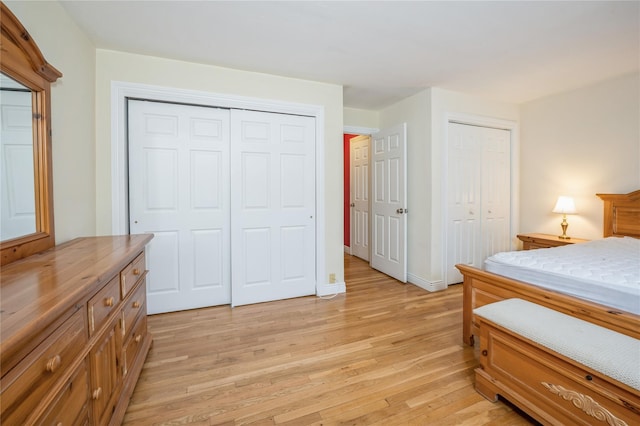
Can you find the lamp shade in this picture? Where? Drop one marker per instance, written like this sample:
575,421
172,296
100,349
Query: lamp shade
565,205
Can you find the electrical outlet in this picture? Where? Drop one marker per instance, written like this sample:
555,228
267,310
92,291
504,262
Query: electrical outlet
332,278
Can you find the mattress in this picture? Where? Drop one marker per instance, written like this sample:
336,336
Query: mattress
605,271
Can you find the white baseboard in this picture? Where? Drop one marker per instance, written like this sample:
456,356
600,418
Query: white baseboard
330,289
347,249
426,284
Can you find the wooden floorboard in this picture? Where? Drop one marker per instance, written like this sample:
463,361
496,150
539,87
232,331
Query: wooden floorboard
384,353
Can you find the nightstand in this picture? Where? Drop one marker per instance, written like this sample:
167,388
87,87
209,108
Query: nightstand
535,241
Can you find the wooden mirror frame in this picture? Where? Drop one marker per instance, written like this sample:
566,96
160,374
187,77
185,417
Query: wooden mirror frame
22,60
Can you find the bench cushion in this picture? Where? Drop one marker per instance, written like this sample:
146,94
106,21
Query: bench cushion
608,352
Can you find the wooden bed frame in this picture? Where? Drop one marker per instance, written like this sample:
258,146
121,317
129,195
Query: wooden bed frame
621,218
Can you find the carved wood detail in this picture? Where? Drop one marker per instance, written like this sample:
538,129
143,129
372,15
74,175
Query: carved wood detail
586,404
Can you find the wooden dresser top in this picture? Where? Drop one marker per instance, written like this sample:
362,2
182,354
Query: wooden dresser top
40,289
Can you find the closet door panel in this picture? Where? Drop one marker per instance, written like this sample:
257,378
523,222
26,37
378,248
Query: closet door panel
179,191
496,190
273,206
463,196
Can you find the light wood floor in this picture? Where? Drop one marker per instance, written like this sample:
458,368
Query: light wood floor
384,353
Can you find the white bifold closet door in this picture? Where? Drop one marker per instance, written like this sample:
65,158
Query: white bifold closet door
478,195
230,197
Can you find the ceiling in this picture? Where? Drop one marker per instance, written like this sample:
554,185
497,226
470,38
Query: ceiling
384,51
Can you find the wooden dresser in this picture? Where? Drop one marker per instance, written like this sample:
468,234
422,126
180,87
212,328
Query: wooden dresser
73,332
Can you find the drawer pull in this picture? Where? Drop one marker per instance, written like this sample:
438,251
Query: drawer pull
108,301
136,271
138,338
97,393
136,304
53,364
92,321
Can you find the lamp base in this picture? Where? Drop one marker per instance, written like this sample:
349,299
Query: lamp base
564,226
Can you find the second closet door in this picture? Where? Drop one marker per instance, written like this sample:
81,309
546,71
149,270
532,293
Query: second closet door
478,196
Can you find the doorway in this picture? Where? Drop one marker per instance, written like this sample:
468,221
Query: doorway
360,177
376,223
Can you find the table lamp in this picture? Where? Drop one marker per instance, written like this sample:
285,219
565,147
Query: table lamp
565,206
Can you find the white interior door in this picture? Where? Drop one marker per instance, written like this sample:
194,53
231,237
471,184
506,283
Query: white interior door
179,191
389,202
359,188
478,196
18,214
273,206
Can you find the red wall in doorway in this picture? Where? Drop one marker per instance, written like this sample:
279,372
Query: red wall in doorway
347,189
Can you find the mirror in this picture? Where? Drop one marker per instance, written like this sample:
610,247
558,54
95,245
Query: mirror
17,194
26,193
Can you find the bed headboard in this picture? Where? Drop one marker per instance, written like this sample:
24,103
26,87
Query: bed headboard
621,214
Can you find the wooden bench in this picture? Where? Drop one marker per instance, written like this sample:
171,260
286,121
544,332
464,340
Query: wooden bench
557,368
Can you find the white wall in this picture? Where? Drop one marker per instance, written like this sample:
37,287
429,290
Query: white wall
355,117
66,47
579,143
125,67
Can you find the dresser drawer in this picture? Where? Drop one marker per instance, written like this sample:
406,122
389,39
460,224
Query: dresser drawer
534,245
24,387
131,274
102,304
134,344
71,407
133,307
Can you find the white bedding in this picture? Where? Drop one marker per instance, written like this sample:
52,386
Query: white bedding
605,271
